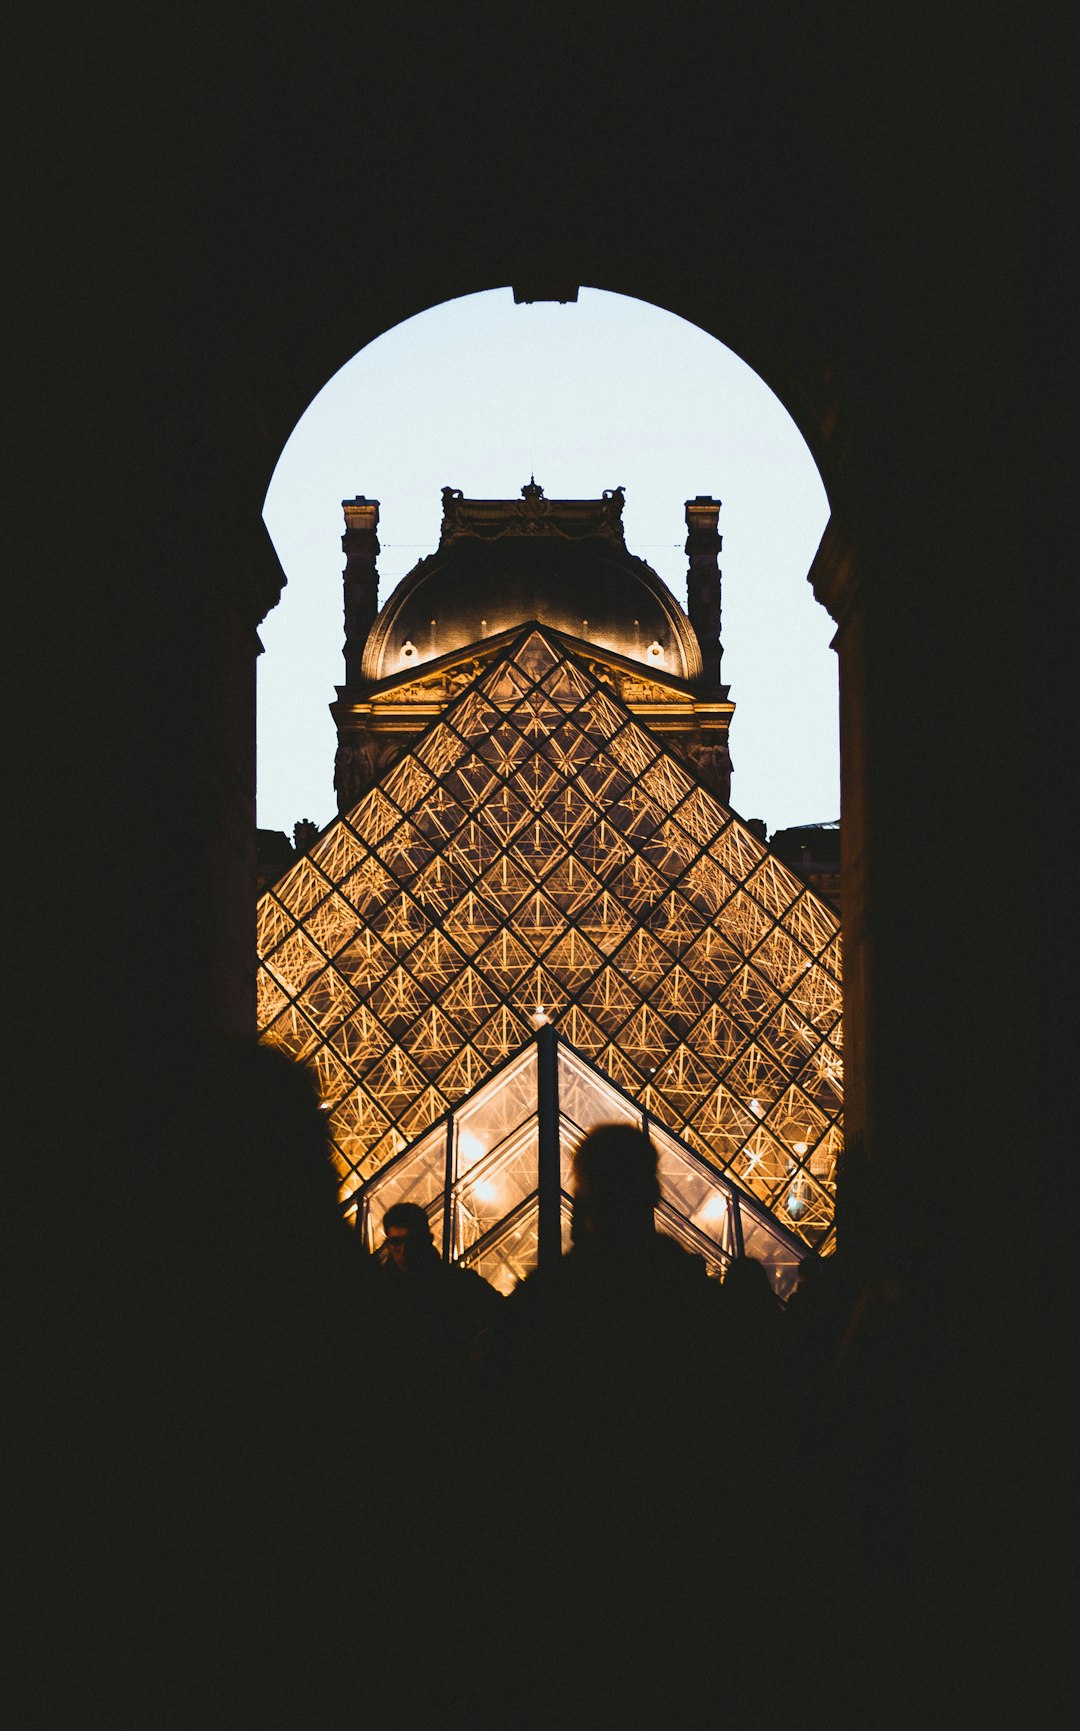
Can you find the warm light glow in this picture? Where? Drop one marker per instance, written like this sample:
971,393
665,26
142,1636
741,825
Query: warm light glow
470,1149
799,1147
714,1208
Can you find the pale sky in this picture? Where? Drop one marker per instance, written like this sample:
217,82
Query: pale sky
480,394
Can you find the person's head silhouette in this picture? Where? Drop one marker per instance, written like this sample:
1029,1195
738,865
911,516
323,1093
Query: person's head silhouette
410,1246
616,1187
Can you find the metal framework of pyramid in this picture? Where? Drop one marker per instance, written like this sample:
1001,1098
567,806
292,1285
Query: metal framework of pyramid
539,857
495,1176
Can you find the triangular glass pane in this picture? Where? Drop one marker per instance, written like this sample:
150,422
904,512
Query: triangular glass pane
337,852
395,1083
506,683
367,886
274,923
472,922
507,1259
424,1111
600,848
473,717
300,888
538,656
646,1039
464,1072
408,784
292,964
374,817
774,886
504,748
683,1079
501,1035
439,886
539,922
605,922
503,812
674,923
680,998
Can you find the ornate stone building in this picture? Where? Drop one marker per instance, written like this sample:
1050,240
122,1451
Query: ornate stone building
499,562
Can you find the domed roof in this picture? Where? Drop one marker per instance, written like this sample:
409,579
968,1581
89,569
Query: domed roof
562,562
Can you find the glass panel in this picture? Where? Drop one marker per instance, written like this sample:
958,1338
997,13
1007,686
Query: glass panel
493,1187
512,1255
418,1176
498,1109
586,1100
693,1191
669,1222
762,1241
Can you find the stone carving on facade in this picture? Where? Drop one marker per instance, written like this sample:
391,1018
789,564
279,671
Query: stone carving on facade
457,678
353,771
533,514
714,767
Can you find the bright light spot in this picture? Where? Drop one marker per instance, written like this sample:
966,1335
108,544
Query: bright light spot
539,1016
408,650
714,1208
470,1149
654,651
799,1147
324,1105
757,1109
486,1190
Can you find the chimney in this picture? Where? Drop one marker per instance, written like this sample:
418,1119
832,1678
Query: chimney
703,544
360,545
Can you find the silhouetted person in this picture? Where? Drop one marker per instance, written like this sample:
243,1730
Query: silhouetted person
250,1388
436,1313
612,1403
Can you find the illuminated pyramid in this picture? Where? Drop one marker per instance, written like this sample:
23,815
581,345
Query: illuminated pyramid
538,856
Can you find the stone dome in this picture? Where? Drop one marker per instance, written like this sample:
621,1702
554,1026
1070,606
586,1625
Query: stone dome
501,563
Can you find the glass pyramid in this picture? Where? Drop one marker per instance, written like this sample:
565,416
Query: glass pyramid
496,1171
539,857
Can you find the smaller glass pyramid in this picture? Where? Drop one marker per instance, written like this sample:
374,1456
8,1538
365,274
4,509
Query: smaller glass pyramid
490,1172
